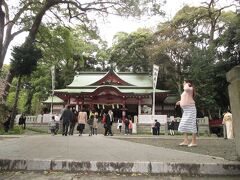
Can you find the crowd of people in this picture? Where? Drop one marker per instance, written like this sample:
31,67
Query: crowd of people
70,119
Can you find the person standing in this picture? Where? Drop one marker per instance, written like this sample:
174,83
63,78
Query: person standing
109,121
157,127
66,117
22,121
227,121
6,124
73,122
130,126
95,123
119,126
171,127
188,120
90,123
126,122
52,125
82,120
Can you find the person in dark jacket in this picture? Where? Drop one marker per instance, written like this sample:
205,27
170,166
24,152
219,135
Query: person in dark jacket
157,127
90,123
126,122
171,127
66,117
6,124
109,121
22,121
73,122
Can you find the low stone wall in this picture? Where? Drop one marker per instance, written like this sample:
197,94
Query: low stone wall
203,126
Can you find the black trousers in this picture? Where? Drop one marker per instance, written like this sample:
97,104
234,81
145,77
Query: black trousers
71,128
108,130
65,128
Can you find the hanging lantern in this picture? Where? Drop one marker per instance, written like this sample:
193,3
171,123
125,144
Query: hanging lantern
112,106
117,106
98,106
103,106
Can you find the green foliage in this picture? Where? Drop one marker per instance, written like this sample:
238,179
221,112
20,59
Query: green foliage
202,73
230,40
17,130
25,59
129,51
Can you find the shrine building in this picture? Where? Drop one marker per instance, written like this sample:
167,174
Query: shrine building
124,92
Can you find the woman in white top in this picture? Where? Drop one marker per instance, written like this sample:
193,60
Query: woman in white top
188,121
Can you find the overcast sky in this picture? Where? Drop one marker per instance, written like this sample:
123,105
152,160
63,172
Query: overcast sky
116,24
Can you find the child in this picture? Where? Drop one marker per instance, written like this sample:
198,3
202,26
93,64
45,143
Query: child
119,125
52,125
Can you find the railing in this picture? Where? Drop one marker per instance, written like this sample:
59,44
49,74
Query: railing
201,121
31,119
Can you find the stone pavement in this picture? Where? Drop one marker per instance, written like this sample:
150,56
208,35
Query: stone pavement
105,154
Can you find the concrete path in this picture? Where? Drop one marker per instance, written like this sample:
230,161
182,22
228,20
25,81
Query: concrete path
100,153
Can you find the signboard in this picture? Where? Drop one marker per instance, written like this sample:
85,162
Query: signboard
149,119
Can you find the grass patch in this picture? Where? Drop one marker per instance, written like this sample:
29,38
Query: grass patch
42,131
17,130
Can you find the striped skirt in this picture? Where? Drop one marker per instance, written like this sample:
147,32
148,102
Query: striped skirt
188,121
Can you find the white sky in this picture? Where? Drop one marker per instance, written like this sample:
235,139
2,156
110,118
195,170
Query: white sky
116,24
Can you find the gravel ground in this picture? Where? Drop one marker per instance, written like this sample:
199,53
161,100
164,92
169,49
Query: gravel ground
219,147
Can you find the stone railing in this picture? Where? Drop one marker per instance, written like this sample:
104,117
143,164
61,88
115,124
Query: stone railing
203,124
201,121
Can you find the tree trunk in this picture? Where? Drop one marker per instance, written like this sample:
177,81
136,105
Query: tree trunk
8,81
209,114
38,19
31,39
14,110
2,22
28,104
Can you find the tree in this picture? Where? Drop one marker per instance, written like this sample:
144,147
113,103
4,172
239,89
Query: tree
23,63
129,53
69,9
230,41
18,16
190,40
70,50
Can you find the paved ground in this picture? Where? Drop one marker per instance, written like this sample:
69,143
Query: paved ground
101,176
121,153
219,147
95,148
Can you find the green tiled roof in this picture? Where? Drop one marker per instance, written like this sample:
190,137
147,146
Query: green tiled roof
86,79
55,100
142,80
123,90
87,82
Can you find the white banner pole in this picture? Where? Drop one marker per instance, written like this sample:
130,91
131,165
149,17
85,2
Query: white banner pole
53,85
155,76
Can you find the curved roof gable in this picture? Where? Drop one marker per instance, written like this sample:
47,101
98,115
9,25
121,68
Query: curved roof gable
124,79
86,79
140,80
